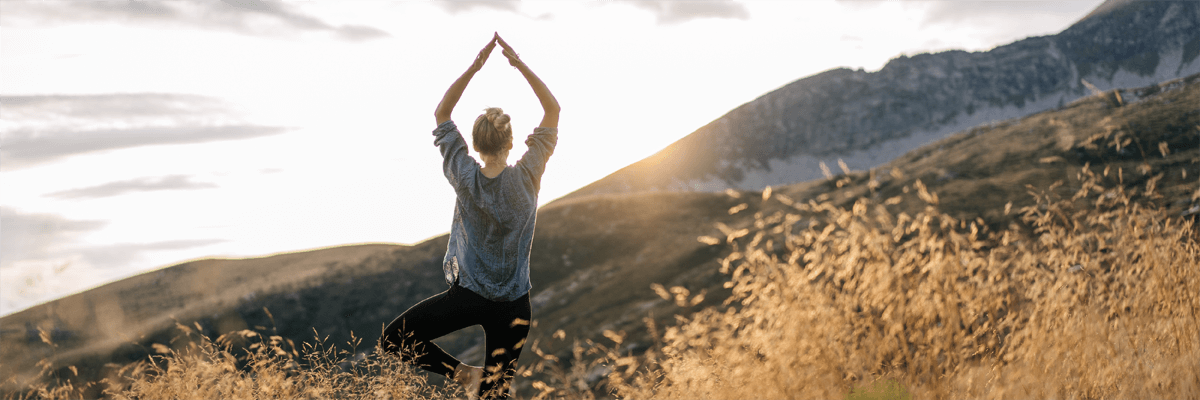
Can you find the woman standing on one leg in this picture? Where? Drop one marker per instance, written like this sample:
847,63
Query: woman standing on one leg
487,259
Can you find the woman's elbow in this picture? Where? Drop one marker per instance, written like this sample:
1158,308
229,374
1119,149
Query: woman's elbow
441,115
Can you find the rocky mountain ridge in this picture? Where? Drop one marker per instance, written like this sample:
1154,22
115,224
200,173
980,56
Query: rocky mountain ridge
864,119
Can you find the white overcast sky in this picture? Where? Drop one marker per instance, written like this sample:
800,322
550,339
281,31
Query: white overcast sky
136,135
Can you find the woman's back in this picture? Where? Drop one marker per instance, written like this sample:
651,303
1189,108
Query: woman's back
492,232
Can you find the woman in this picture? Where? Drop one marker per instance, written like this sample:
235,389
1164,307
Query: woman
487,259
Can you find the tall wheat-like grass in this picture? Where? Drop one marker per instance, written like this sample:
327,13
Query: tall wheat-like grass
246,365
1091,296
1100,299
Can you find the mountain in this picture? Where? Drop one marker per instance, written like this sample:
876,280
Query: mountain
866,119
596,257
598,251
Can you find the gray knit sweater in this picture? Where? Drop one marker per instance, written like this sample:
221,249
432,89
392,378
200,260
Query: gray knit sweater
492,232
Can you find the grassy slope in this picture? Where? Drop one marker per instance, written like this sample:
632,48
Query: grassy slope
596,257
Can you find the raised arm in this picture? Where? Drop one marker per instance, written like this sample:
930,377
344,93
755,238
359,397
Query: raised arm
450,99
549,103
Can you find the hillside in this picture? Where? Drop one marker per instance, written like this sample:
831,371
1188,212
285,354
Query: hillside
596,257
866,119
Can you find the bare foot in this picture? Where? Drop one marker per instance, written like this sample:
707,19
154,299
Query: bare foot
469,377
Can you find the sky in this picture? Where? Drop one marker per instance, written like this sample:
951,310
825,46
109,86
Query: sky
138,135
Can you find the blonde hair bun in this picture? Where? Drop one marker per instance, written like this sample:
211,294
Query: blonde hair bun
498,118
492,132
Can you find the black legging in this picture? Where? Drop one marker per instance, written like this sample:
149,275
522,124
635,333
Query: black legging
506,325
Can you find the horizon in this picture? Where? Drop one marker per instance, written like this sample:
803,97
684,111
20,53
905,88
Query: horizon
273,107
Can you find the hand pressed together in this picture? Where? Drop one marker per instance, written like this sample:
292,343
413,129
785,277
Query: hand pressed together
483,54
450,99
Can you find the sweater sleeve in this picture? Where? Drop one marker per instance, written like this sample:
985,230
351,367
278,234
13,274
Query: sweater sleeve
457,163
541,145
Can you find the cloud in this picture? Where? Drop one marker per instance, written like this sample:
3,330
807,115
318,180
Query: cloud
121,254
671,12
252,17
147,184
982,24
458,6
24,148
40,236
37,235
100,106
42,258
968,12
992,20
41,129
974,12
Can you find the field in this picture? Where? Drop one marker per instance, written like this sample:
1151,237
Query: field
1100,301
1054,256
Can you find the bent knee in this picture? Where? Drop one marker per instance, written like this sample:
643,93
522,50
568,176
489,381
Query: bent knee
395,342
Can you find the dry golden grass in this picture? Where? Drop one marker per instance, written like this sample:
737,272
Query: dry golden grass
1099,300
1091,296
248,365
